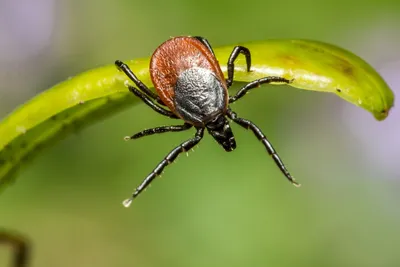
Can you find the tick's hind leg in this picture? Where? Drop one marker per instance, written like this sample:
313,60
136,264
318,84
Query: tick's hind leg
128,72
147,95
185,146
259,134
231,62
162,129
19,246
146,99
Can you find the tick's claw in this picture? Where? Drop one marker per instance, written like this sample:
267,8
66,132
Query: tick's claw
296,184
127,202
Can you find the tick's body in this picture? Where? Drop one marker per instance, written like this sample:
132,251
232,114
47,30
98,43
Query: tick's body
189,81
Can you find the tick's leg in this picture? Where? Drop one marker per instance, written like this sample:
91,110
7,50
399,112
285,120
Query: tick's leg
185,146
205,42
162,129
231,66
19,245
258,133
257,83
128,72
146,99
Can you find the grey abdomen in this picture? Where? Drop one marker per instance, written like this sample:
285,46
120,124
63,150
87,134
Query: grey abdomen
199,96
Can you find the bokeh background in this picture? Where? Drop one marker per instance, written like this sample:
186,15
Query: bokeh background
212,208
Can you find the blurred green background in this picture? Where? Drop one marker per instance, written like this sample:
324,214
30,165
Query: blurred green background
212,208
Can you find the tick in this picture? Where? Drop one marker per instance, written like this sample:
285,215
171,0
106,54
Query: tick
190,86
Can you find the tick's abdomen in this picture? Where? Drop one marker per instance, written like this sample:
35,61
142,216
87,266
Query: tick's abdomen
199,96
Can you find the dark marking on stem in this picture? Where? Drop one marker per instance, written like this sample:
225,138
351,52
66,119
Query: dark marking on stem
20,246
24,158
38,147
345,67
339,63
289,59
310,47
64,127
385,112
74,127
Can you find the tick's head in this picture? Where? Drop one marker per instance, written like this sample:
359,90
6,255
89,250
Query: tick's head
220,129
